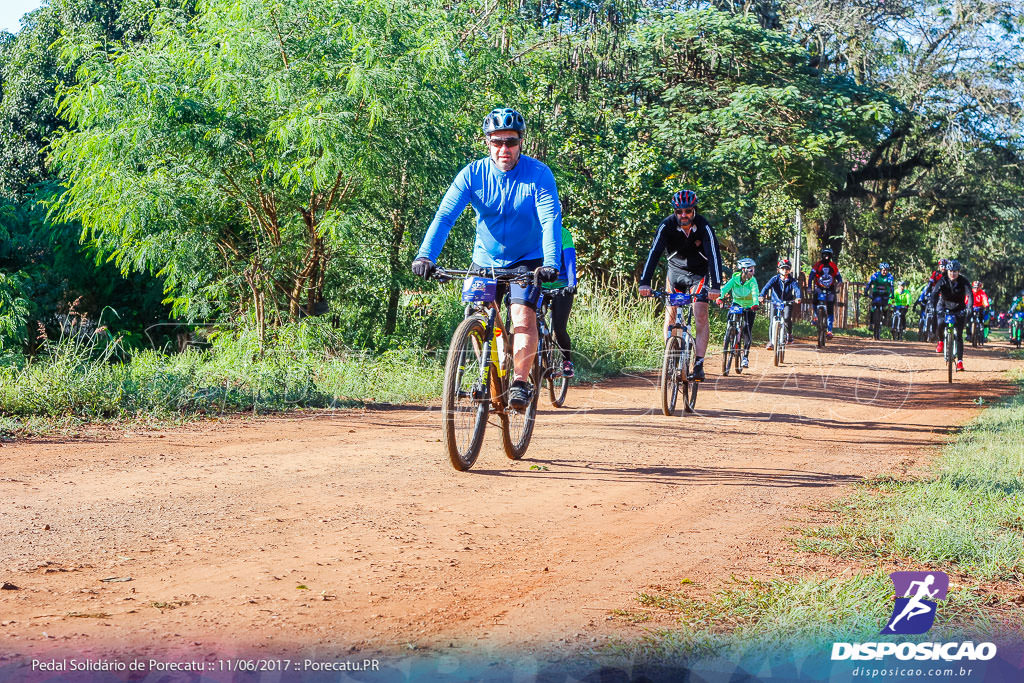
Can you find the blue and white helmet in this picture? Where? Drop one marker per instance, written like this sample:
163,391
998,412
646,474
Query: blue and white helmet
746,263
504,118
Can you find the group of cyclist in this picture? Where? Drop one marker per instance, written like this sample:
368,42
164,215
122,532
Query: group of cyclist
519,225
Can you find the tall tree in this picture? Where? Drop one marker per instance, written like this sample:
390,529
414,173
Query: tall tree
230,151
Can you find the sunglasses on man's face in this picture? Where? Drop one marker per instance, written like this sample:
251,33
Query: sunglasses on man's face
511,143
686,212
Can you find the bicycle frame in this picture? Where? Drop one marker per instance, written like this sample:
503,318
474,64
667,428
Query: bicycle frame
779,318
495,327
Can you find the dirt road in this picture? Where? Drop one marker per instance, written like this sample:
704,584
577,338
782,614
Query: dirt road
325,533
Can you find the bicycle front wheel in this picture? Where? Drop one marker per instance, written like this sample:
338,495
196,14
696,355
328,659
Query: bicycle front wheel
465,399
822,328
670,375
776,339
727,351
949,350
737,349
687,361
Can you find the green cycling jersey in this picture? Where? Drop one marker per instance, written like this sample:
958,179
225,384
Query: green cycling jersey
902,298
743,293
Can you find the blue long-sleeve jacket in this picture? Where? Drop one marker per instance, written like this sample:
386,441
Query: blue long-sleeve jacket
518,215
782,290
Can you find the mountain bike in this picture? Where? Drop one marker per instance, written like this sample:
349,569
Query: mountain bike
933,325
949,346
732,348
877,315
1016,328
899,322
478,371
821,313
928,329
777,332
680,356
976,328
550,354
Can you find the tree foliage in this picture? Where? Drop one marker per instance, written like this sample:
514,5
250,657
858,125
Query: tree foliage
266,160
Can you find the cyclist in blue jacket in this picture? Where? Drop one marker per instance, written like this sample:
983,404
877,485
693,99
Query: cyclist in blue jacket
785,291
518,225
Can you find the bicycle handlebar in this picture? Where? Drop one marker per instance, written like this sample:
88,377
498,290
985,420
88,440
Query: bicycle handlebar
499,274
657,293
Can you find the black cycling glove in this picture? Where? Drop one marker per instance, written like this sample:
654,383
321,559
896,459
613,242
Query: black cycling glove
547,274
422,267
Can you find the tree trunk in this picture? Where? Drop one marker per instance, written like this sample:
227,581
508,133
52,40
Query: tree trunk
394,253
394,265
252,278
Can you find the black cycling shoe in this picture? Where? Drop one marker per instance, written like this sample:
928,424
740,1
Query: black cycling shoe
698,373
519,395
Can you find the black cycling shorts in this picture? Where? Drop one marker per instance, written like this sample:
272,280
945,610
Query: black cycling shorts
527,295
685,281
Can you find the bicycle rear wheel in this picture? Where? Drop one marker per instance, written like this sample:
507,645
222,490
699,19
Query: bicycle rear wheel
558,388
516,426
465,398
558,384
670,375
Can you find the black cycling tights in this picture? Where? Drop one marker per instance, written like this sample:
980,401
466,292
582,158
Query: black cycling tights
561,306
748,329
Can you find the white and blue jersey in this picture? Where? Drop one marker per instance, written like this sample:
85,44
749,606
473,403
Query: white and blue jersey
518,214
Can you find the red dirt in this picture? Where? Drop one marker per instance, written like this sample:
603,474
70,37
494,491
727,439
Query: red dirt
332,532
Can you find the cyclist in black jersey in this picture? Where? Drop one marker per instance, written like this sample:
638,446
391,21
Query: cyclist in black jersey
954,293
694,266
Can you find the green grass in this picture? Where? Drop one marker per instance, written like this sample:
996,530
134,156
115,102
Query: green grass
789,617
965,518
89,378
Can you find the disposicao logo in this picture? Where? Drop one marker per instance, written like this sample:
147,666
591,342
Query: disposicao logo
914,613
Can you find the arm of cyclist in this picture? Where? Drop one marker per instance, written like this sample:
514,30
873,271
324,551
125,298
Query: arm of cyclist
657,249
726,290
549,212
711,252
569,255
455,201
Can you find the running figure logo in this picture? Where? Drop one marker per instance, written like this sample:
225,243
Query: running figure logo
915,610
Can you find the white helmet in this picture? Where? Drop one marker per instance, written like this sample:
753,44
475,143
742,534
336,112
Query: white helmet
746,263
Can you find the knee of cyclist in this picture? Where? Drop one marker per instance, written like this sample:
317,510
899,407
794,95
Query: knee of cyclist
523,319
